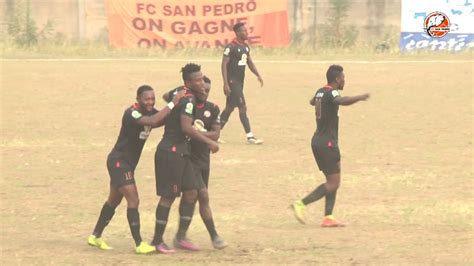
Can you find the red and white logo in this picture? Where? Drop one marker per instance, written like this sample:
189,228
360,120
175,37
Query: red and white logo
437,24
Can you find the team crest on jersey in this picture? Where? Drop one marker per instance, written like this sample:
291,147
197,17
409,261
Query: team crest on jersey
207,114
335,93
238,50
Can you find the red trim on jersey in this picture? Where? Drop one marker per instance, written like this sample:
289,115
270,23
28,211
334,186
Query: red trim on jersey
328,87
200,105
137,107
187,92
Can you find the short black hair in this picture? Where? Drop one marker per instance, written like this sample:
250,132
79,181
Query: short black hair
333,72
237,26
188,69
206,80
142,89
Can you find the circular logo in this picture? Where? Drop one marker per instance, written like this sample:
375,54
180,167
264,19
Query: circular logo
207,114
437,24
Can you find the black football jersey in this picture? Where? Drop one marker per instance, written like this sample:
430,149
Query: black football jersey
237,53
132,136
327,117
209,114
174,139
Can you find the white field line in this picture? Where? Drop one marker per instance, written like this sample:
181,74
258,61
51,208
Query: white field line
217,60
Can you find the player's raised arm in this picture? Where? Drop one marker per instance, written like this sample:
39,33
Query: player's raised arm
254,70
158,119
348,100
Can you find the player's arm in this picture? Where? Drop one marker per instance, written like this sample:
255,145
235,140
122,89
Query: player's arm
348,100
166,97
254,70
158,119
214,133
187,127
225,60
313,101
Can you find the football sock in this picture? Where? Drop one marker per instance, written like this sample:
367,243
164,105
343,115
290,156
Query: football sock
210,228
133,218
330,202
186,211
245,122
317,194
225,117
105,216
162,214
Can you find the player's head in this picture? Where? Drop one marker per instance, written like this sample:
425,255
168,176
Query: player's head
192,77
335,76
241,31
207,88
146,97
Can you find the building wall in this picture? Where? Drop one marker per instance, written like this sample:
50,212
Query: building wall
85,19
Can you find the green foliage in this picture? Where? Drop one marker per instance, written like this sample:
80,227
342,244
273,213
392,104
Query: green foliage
47,32
21,27
20,23
336,33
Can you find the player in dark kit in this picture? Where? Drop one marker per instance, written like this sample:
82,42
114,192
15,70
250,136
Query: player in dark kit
236,57
137,122
206,120
174,171
325,144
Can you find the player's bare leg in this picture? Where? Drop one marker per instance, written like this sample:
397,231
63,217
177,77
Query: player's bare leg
206,215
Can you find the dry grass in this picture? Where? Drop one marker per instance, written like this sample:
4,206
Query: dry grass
407,189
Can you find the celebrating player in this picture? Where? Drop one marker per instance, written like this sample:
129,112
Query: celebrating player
137,122
174,172
207,121
325,144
